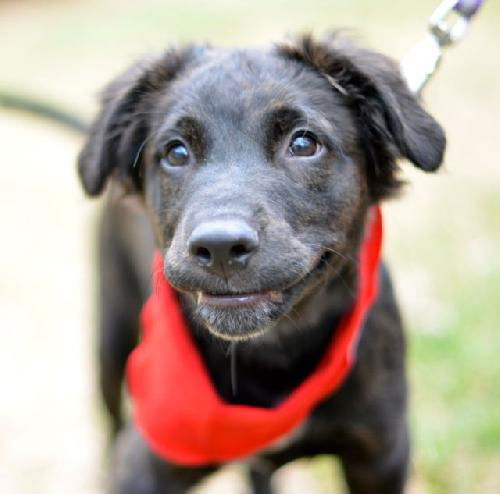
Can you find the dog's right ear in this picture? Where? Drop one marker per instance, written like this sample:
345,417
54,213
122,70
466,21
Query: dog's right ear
118,133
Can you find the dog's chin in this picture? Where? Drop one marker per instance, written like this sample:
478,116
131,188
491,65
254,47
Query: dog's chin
238,321
245,316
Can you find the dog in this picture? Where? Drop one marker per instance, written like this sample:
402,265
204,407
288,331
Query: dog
256,174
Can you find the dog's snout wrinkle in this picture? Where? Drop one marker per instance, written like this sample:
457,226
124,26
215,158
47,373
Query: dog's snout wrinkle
224,245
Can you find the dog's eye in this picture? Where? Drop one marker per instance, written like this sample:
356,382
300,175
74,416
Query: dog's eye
176,154
303,145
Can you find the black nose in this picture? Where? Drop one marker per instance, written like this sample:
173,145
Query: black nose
224,245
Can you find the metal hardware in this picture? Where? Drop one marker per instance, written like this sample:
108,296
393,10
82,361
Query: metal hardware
447,26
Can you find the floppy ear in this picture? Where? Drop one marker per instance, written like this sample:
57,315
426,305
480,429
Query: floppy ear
118,133
390,119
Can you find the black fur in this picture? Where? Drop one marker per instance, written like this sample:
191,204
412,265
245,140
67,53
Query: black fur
236,112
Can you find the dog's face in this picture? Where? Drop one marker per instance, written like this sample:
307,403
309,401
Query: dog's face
258,166
252,186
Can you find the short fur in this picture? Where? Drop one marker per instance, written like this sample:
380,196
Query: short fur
236,111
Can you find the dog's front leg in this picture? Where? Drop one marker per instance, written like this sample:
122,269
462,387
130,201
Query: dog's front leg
136,470
260,472
384,474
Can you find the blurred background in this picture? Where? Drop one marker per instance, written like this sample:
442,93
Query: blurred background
443,236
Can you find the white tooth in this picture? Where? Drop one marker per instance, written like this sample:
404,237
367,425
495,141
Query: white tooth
199,297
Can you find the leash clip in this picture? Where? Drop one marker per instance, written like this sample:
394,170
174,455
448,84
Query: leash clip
449,22
447,26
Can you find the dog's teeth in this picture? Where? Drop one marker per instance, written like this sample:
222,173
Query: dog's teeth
276,296
199,297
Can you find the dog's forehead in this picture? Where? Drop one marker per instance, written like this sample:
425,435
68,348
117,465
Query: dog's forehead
245,81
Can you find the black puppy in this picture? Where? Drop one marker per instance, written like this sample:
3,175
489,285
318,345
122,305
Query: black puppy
256,170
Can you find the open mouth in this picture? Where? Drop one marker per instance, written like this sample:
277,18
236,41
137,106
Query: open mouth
241,299
239,316
236,300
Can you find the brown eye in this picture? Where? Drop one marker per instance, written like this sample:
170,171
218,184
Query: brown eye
176,154
303,145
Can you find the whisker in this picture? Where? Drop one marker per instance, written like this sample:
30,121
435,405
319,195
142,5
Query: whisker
346,257
288,318
141,147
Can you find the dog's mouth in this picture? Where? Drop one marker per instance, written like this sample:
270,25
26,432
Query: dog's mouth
238,300
236,316
235,300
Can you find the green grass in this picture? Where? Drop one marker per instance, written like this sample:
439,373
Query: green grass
456,394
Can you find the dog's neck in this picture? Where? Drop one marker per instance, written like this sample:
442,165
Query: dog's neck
268,367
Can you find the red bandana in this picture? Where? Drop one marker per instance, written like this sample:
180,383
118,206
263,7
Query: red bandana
177,409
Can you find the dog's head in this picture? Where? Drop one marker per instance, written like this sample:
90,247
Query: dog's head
257,167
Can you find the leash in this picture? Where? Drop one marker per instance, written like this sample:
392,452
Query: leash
47,110
447,26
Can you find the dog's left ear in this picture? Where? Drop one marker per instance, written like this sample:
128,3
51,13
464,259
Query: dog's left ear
390,119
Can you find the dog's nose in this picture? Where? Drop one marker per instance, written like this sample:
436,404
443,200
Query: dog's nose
224,245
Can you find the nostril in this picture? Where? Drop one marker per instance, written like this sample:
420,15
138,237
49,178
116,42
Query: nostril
203,254
238,251
223,245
